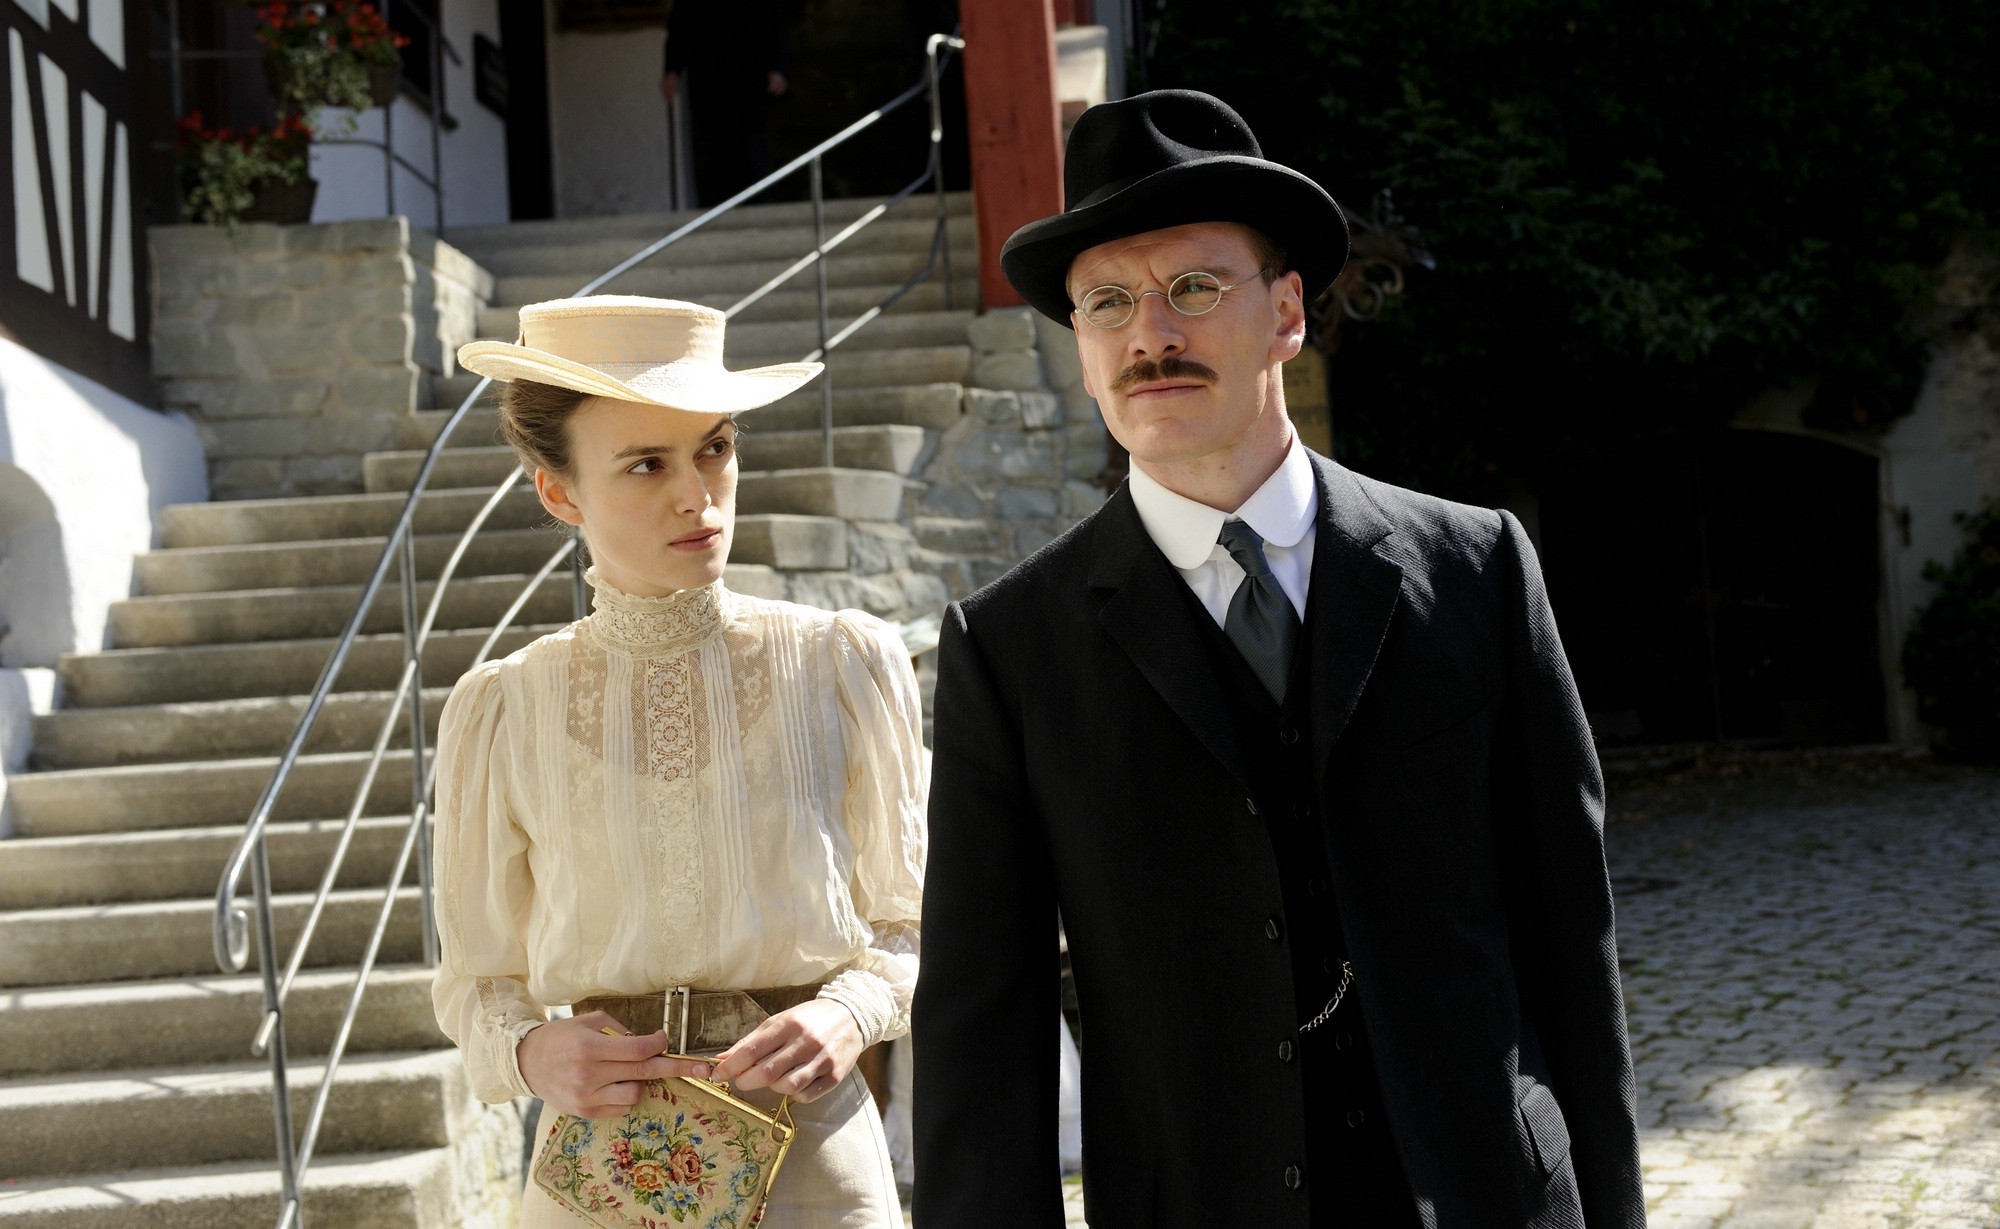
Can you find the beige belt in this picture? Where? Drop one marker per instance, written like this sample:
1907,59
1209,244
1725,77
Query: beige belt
714,1019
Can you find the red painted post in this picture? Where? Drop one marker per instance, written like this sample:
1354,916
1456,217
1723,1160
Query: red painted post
1014,124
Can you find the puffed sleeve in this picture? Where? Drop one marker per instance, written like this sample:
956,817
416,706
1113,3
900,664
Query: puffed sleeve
887,780
484,889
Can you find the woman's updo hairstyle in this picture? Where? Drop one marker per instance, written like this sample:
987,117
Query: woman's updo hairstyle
534,418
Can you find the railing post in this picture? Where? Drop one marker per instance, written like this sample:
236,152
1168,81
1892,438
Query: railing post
819,266
413,657
943,236
274,1010
437,142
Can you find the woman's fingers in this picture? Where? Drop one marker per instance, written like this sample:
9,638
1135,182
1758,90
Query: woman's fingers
755,1045
819,1088
667,1068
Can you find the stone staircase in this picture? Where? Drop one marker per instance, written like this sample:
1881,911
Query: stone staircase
128,1095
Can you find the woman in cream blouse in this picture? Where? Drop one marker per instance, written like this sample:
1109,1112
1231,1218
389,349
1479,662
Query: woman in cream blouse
688,787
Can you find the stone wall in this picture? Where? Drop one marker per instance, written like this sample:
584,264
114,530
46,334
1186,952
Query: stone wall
1021,466
298,348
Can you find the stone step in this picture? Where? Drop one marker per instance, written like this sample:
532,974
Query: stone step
247,616
181,1021
216,729
850,494
50,872
173,938
196,1115
583,258
194,793
936,406
214,569
380,1190
788,338
126,677
798,301
854,284
190,673
244,616
868,369
316,518
761,538
481,242
891,448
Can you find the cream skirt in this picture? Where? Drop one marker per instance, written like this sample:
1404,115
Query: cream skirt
836,1176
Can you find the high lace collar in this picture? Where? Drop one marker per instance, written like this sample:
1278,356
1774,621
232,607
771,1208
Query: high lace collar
655,626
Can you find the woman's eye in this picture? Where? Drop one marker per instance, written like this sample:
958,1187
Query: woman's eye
651,465
718,447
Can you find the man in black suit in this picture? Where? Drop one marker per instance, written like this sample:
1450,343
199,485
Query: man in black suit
1296,757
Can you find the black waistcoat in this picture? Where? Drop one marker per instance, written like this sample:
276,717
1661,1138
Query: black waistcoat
1355,1173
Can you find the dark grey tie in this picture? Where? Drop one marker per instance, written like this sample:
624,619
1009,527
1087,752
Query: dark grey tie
1262,623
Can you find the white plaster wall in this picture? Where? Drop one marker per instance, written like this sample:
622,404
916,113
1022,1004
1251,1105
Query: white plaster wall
607,123
84,473
474,154
24,694
1928,477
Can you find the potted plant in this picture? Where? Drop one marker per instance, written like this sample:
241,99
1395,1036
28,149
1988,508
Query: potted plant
257,175
310,58
365,32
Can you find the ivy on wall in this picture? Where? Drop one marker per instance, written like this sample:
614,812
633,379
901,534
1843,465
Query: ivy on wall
1643,215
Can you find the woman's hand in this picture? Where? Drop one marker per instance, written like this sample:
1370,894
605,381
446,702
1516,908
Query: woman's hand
572,1065
804,1053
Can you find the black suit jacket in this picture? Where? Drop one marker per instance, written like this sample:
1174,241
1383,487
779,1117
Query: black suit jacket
1085,763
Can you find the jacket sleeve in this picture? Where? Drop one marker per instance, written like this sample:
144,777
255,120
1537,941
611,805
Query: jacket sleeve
986,1058
1550,799
483,892
882,726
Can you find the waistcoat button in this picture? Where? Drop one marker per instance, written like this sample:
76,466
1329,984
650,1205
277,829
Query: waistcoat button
1285,1051
1288,736
1252,804
1355,1118
1293,1178
1341,1041
1271,930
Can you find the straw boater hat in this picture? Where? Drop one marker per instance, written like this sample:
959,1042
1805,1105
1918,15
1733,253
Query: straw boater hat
1168,158
653,351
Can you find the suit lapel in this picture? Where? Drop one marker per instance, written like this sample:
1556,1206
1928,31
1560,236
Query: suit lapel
1148,614
1353,593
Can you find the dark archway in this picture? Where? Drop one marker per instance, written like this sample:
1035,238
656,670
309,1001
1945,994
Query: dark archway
1721,587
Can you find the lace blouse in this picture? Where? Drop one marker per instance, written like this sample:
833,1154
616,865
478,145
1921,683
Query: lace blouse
704,789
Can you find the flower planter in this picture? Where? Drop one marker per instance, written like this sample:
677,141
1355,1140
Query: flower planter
285,203
383,82
278,75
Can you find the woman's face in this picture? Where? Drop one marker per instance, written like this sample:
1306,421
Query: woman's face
654,490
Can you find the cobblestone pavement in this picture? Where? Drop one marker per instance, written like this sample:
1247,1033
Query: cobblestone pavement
1814,994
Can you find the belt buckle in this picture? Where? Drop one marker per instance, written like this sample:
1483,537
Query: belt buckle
686,997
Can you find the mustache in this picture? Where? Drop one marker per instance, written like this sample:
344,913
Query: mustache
1172,367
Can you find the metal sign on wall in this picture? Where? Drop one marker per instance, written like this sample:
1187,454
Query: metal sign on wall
71,286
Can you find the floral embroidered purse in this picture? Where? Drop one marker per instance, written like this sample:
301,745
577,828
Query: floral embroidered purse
690,1155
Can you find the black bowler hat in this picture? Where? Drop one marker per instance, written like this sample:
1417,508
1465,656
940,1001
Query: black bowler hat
1168,158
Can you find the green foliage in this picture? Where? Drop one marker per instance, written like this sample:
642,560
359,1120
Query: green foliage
1951,655
1643,215
224,169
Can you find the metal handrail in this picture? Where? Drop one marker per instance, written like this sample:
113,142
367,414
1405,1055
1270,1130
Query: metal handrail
232,923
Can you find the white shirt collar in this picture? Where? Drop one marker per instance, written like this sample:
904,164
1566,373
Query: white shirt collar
1281,511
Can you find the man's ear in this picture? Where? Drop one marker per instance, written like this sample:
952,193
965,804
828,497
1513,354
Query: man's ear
1288,302
1076,326
553,490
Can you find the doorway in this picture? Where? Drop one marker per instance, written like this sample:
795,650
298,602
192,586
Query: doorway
1720,587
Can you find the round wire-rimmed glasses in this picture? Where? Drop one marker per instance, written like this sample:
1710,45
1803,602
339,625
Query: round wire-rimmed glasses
1191,294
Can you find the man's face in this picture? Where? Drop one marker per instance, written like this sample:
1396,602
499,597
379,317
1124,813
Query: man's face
1176,388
